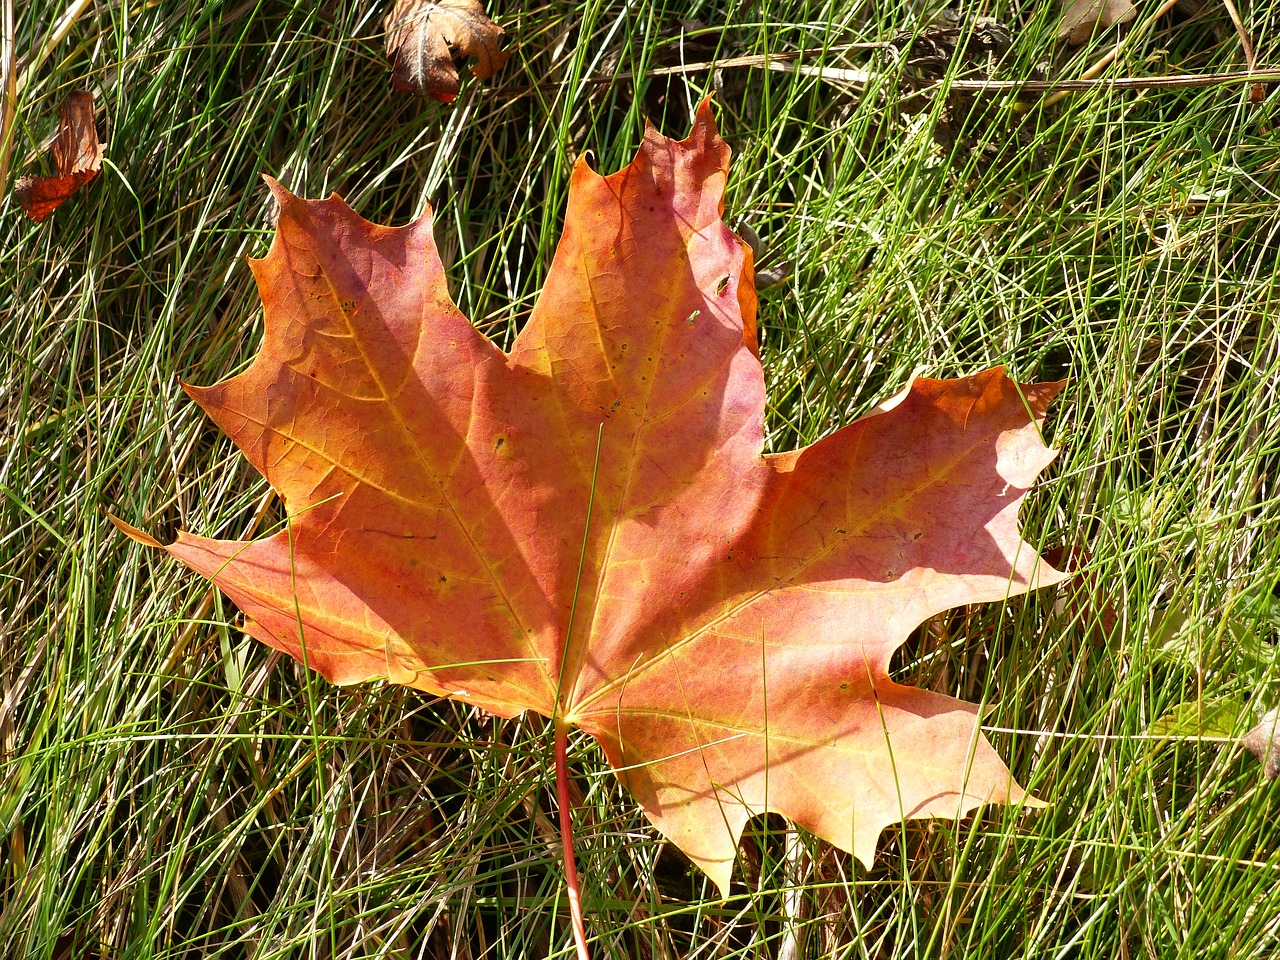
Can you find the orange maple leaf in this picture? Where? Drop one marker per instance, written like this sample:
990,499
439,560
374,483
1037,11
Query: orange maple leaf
586,526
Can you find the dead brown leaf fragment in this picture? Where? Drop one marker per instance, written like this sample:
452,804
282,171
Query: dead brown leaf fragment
427,38
1084,17
1262,742
77,154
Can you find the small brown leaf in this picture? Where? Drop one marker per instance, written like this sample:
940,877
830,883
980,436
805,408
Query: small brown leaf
1085,16
425,36
76,153
1261,741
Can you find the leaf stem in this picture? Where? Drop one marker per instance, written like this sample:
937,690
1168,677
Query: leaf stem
562,736
566,839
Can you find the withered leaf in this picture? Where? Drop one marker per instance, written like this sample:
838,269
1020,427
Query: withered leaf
1262,742
77,154
1083,17
426,37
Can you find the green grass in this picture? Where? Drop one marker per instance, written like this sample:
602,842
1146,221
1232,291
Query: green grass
168,788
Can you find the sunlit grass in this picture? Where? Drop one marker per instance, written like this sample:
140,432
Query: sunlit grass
168,788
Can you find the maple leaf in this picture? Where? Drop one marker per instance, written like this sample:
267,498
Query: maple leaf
423,37
77,155
587,527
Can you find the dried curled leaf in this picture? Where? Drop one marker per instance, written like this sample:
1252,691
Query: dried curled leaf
77,154
426,37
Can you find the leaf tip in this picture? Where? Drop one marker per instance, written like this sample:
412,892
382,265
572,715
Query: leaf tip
279,191
1030,801
191,390
133,533
704,116
719,872
1040,395
584,166
705,134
